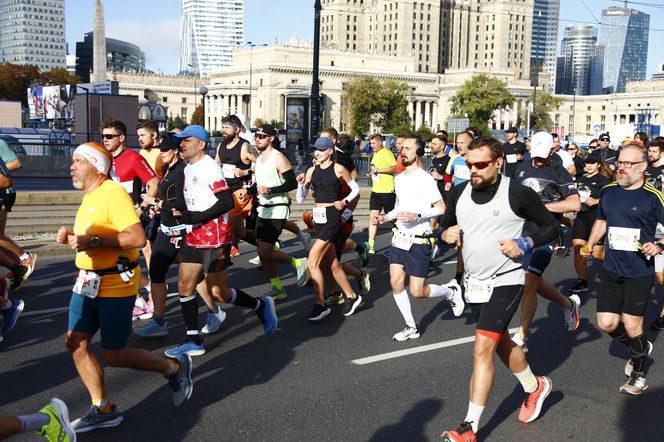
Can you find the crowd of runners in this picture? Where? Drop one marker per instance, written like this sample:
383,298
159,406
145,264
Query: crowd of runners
504,207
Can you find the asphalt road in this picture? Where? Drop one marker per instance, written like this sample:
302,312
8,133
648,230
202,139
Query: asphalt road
302,384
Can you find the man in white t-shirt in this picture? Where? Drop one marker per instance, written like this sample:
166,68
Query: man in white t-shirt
565,157
417,201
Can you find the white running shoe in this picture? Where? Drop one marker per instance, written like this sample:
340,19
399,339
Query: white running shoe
456,301
255,261
407,333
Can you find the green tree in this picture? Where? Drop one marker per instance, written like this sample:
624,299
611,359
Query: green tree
369,101
545,103
425,133
277,124
478,97
198,117
175,123
258,122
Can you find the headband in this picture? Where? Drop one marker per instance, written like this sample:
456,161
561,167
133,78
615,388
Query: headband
101,162
230,123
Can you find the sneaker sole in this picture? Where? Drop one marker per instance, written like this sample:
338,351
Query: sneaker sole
65,423
540,401
413,336
108,424
577,319
626,391
355,306
319,317
189,352
279,297
31,267
19,310
269,303
160,334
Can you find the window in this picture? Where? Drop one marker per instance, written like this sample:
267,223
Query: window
184,101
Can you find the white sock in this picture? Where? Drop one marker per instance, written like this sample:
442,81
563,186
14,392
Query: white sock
403,302
474,414
528,380
436,291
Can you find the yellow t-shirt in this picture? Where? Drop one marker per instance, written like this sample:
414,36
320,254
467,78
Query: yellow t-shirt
154,160
382,160
107,210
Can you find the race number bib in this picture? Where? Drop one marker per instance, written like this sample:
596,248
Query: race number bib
584,193
228,170
87,284
401,241
511,158
320,215
624,238
478,291
462,172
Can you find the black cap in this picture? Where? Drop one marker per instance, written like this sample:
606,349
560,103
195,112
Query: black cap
594,157
512,130
604,135
168,143
266,129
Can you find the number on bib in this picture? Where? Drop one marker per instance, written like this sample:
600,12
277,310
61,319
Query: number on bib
87,284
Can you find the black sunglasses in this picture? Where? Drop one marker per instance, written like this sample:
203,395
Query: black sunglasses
110,136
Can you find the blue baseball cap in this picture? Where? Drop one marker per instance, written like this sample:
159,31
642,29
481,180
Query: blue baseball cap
195,131
323,143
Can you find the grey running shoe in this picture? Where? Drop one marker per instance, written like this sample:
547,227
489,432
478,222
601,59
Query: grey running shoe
302,272
96,419
152,330
181,382
364,282
407,333
635,385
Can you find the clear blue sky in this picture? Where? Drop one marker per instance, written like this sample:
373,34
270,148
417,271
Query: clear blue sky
154,25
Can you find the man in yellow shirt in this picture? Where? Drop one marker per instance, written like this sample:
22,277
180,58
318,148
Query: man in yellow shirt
383,166
106,237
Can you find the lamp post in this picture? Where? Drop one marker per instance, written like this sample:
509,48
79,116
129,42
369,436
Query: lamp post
203,91
195,87
251,45
536,79
315,87
87,112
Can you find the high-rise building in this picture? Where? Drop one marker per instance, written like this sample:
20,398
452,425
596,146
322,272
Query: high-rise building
121,56
578,67
209,30
544,46
33,32
624,34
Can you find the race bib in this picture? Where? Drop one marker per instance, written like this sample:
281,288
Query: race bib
320,215
511,158
87,284
401,241
228,170
462,172
624,238
478,291
375,177
584,193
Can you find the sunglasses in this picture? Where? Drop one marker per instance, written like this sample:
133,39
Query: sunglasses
479,165
110,136
605,139
262,136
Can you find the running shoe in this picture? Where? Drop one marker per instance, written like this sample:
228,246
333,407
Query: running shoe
305,239
434,251
560,251
17,276
235,252
629,367
572,315
302,272
364,282
255,261
532,403
363,255
370,249
152,330
58,428
30,263
10,316
318,313
464,433
635,385
276,294
97,419
407,333
187,347
658,324
334,299
181,382
581,286
351,305
456,301
520,342
268,315
214,320
148,311
136,314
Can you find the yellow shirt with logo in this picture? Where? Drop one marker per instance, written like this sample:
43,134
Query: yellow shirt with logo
107,210
154,159
382,160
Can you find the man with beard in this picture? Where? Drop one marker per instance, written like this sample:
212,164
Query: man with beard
628,214
417,201
490,214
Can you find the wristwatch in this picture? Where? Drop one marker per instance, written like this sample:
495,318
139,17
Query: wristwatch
95,242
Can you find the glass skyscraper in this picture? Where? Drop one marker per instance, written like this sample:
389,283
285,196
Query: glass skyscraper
579,62
544,46
624,35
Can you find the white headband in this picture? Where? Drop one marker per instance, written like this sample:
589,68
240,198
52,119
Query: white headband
98,159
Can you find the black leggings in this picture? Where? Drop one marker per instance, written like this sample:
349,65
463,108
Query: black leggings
164,251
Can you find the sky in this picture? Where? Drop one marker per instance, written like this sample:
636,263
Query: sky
154,25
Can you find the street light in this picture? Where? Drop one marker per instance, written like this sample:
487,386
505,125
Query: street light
203,91
195,87
251,45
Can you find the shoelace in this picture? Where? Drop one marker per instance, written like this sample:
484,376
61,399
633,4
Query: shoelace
465,427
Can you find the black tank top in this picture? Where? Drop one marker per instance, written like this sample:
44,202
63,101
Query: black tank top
325,184
233,155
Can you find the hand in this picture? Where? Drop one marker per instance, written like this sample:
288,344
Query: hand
650,249
300,178
586,251
436,175
448,186
406,217
452,235
262,190
176,212
519,157
509,248
61,236
147,200
79,243
590,201
378,220
340,204
239,173
374,169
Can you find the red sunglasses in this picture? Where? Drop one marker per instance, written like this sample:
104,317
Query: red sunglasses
479,165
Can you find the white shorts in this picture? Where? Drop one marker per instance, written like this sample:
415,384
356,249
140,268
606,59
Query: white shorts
659,263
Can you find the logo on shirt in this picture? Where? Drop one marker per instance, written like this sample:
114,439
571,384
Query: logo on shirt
635,209
496,212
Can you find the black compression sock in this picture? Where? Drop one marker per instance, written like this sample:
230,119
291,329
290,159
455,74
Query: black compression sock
189,305
244,300
638,352
620,334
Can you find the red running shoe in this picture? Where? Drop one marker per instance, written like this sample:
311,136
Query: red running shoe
532,403
464,433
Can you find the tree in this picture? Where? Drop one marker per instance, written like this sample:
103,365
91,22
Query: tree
277,124
478,98
425,133
258,122
545,103
198,117
16,79
384,104
175,123
59,76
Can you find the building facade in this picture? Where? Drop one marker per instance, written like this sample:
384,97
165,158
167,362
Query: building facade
624,35
209,30
32,32
544,46
579,70
121,56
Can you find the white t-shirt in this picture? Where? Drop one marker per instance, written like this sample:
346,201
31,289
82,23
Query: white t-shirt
416,193
566,157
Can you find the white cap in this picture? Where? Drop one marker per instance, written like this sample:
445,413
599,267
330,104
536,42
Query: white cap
541,145
243,119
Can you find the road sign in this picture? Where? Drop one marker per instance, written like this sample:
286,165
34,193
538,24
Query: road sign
597,127
457,124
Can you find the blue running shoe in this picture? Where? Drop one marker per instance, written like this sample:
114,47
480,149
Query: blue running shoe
152,330
11,315
187,347
268,315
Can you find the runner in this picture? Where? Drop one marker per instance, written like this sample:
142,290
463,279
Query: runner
206,251
490,214
628,213
51,422
383,167
106,237
417,201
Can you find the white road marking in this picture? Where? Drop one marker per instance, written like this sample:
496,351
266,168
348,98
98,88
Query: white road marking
44,312
411,351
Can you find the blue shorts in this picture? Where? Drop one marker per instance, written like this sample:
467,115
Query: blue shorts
415,262
111,316
538,259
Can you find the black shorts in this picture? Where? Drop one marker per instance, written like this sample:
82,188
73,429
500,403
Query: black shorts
583,224
415,262
623,295
152,227
213,260
495,315
164,251
268,230
346,231
7,200
330,231
382,201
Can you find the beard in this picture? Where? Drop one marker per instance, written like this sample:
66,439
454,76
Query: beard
228,138
407,163
77,183
627,181
479,183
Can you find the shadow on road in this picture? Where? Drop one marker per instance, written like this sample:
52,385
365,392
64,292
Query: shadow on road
412,426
